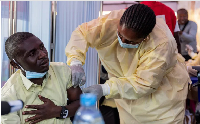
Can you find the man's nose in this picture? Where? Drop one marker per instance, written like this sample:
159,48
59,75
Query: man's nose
42,54
182,18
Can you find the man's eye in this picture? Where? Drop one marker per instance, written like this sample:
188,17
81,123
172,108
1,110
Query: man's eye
32,54
41,47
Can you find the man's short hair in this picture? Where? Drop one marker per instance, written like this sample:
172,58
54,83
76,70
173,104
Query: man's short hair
11,44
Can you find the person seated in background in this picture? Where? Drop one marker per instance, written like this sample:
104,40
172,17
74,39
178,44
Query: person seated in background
44,87
188,32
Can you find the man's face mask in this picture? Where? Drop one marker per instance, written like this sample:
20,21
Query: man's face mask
30,75
124,45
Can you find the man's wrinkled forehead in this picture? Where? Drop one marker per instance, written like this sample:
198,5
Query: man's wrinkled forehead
29,44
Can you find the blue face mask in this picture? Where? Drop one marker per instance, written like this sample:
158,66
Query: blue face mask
30,75
124,45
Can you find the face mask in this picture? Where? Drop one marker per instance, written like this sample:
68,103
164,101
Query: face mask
124,45
30,75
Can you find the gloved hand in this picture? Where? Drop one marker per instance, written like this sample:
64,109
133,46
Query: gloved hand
78,74
99,90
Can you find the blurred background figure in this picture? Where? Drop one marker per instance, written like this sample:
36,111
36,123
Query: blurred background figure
188,31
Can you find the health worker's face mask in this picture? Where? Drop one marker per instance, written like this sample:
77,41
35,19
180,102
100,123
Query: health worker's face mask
124,45
30,75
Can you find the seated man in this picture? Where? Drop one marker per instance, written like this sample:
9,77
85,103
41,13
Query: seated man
44,89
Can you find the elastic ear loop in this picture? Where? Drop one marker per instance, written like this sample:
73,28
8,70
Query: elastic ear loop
19,65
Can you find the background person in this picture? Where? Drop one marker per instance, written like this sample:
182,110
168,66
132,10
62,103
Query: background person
188,31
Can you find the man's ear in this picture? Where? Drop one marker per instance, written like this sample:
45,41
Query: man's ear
14,64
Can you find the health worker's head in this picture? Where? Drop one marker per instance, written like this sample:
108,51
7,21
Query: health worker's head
136,24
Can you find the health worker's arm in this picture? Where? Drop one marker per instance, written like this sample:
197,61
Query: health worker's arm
92,34
152,67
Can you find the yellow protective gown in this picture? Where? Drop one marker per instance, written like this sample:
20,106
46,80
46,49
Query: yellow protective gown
149,84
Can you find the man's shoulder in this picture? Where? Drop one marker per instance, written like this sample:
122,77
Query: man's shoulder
61,71
11,83
59,66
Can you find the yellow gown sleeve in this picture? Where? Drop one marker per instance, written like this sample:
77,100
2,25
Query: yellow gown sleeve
90,34
151,69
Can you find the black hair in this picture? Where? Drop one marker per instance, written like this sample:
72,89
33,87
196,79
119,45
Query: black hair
140,18
182,9
11,44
